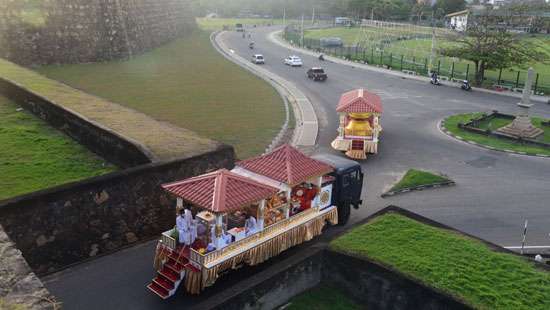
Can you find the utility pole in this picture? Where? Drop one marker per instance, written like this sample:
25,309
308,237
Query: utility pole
524,236
284,17
302,35
313,17
432,54
372,14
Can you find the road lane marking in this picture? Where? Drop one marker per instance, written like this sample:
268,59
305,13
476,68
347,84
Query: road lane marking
528,247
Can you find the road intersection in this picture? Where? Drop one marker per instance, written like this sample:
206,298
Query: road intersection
496,191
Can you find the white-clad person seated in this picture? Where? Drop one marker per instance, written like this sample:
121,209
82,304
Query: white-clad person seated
225,239
250,225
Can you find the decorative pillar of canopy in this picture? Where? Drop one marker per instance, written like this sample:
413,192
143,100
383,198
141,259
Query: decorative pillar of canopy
342,117
261,215
219,240
319,184
179,205
287,208
522,127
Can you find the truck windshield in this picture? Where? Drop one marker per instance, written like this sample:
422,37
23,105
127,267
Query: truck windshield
351,178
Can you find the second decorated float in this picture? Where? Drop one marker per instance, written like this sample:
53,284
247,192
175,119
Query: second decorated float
265,205
359,127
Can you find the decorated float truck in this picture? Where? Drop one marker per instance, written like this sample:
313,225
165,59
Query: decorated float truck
359,127
245,216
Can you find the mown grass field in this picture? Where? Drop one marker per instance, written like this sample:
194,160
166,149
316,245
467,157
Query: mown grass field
451,124
418,50
414,177
34,156
463,267
213,24
189,84
322,297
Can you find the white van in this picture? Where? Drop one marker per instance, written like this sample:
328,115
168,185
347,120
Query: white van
258,59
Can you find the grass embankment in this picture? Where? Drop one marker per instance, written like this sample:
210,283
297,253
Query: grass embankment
189,84
463,267
451,124
322,298
34,156
415,178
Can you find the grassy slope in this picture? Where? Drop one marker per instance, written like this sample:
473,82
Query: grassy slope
35,156
463,267
415,177
188,84
451,124
322,298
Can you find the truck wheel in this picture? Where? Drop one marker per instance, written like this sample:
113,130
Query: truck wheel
344,212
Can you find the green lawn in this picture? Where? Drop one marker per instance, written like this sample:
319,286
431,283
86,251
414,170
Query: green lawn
35,156
415,177
458,265
189,84
451,124
323,298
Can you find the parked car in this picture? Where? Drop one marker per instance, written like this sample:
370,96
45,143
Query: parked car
293,61
317,74
258,59
239,27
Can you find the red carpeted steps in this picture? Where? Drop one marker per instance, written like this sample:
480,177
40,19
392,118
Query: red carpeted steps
171,274
159,290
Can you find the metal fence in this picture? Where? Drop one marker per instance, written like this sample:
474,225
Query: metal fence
447,69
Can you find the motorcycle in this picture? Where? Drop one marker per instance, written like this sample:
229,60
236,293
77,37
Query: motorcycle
251,45
321,57
435,79
466,85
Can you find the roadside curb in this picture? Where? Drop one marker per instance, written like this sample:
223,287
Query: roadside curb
418,188
307,126
276,38
441,127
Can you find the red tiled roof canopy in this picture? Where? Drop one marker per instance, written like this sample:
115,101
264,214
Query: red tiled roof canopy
287,165
220,191
359,101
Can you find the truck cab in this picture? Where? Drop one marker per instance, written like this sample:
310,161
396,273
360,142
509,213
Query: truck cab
347,184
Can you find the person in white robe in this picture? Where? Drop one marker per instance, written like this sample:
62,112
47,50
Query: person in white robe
184,231
250,225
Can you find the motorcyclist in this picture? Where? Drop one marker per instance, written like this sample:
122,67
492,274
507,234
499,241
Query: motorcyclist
466,85
321,57
434,78
251,45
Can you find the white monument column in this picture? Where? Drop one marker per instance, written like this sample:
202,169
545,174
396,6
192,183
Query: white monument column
522,127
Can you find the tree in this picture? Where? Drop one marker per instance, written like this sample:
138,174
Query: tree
449,6
489,46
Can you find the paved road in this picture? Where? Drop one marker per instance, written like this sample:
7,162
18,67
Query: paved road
495,191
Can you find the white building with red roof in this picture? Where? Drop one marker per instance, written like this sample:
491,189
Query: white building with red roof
359,127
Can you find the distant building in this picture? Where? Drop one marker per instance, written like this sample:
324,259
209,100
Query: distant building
532,22
459,20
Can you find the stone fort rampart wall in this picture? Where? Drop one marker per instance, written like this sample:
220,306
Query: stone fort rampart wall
79,31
